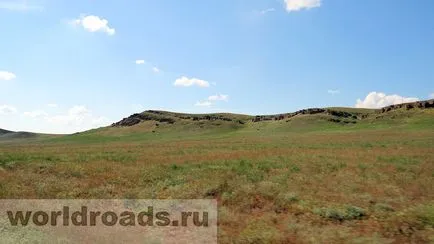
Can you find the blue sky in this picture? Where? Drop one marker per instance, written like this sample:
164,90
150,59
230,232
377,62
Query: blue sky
67,66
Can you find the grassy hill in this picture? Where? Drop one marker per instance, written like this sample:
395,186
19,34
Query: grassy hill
333,175
162,125
154,124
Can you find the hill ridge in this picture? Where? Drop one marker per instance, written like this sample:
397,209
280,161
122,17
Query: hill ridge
339,114
351,113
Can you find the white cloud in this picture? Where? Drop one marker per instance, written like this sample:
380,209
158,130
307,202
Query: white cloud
212,99
100,121
184,81
74,119
77,118
333,92
218,97
52,105
203,104
431,95
94,23
379,100
35,114
75,115
7,109
266,11
137,107
5,75
22,6
156,70
297,5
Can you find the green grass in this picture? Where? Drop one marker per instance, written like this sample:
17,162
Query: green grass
306,180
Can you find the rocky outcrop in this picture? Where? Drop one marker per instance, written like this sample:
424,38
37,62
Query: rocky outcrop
170,118
258,118
137,118
341,114
288,115
311,111
338,115
211,117
419,104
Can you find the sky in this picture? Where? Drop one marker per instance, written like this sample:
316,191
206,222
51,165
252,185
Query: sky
68,66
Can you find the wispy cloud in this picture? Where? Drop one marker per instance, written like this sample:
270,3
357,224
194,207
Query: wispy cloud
297,5
266,11
21,6
78,117
379,100
185,81
212,99
94,23
35,114
203,104
52,105
431,95
6,76
137,107
333,92
218,97
156,70
7,109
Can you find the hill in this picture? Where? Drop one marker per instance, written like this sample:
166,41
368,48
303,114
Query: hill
155,125
345,115
8,135
164,125
4,131
152,121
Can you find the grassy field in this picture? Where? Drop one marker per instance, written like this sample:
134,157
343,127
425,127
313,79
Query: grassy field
306,179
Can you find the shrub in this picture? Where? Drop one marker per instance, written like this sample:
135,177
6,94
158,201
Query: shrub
341,214
175,167
353,212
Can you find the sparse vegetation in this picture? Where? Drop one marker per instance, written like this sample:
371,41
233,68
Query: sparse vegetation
308,180
341,213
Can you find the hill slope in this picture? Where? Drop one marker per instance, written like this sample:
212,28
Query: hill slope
335,114
153,124
161,125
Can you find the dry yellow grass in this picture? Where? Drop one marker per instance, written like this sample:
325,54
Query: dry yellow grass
321,186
